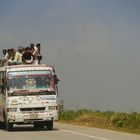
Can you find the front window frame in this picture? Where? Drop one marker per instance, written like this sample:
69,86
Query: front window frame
18,73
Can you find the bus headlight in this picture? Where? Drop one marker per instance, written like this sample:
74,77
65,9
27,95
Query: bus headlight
14,102
11,109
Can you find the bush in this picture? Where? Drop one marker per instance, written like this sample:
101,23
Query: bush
127,121
131,120
71,115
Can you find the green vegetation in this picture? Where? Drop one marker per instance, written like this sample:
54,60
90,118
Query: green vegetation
128,122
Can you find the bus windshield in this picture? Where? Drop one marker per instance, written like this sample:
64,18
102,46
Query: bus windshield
29,80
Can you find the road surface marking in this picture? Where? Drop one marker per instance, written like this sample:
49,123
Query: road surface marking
85,135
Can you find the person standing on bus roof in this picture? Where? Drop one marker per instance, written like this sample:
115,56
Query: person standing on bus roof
35,52
39,56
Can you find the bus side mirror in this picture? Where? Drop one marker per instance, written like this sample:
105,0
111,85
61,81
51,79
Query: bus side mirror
4,85
56,80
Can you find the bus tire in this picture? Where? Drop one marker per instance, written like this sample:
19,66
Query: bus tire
4,118
9,126
1,125
37,125
49,125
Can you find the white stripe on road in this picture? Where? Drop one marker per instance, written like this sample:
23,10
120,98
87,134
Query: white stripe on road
85,135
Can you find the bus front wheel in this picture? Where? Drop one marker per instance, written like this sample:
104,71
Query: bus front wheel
49,125
9,126
38,125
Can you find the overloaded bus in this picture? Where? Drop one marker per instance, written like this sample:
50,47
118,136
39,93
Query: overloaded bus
28,95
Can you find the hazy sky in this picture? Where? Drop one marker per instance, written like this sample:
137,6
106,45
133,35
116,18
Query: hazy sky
94,44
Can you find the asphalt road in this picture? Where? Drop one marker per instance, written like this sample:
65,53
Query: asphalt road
64,132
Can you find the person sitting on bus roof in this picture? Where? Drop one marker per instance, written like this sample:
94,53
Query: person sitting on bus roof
6,57
16,58
8,54
4,51
20,50
27,56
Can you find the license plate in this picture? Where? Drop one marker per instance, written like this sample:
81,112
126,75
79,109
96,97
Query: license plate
33,116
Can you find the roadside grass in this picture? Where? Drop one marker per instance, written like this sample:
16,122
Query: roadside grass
125,122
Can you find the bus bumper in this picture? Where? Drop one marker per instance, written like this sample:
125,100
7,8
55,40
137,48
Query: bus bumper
31,117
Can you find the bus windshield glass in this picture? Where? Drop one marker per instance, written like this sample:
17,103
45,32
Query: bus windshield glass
29,80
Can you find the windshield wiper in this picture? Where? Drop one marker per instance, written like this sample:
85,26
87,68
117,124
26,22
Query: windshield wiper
29,91
15,92
12,93
43,90
22,91
38,90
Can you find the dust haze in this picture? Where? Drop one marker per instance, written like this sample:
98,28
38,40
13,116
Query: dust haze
95,63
